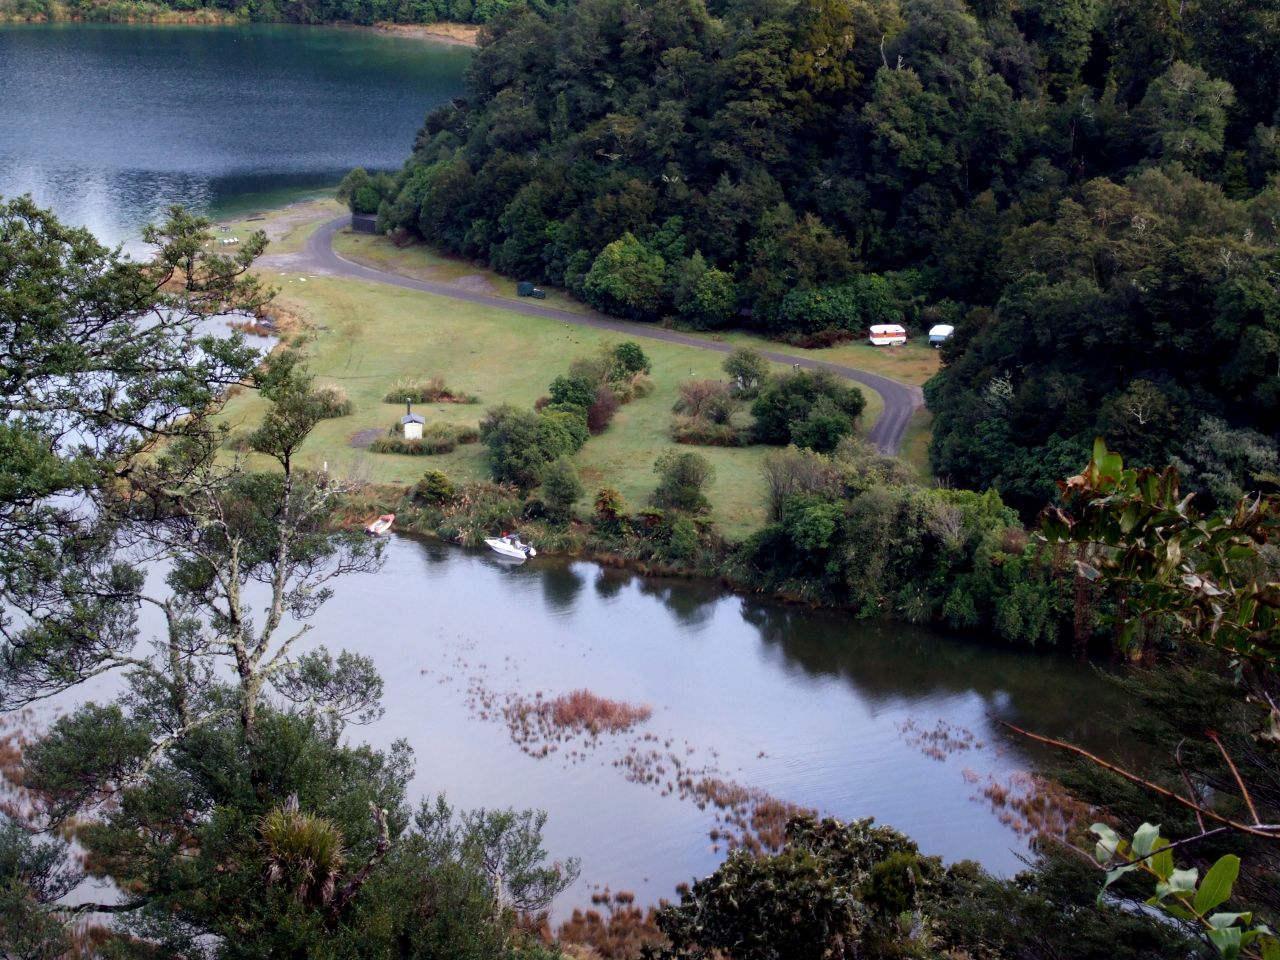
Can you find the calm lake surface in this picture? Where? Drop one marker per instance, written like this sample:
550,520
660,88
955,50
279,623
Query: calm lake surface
108,123
812,707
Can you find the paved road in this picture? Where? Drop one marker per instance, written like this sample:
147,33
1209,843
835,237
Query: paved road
900,399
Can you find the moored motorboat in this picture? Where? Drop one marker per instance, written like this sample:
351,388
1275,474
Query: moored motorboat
509,545
381,525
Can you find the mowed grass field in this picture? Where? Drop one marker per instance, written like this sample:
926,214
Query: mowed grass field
364,336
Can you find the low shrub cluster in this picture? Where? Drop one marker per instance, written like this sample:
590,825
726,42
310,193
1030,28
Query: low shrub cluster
436,438
810,409
704,433
332,401
682,478
428,390
534,447
705,414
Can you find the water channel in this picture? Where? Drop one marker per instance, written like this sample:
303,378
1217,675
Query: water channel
108,124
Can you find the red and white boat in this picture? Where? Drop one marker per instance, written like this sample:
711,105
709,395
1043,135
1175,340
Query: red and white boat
381,525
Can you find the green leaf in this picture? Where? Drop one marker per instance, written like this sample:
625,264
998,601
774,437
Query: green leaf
1183,881
1217,884
1227,941
1162,864
1113,876
1108,842
1270,948
1144,841
1220,921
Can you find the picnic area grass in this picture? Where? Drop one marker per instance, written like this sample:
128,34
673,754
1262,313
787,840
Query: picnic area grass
364,336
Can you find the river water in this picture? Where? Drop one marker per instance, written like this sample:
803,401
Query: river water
107,124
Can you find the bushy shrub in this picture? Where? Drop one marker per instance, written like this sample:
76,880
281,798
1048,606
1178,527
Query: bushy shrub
747,371
572,421
701,432
682,541
628,360
809,409
434,487
573,391
596,367
682,478
602,410
561,488
641,385
522,442
333,401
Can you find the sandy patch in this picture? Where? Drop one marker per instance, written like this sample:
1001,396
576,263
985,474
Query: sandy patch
299,264
461,34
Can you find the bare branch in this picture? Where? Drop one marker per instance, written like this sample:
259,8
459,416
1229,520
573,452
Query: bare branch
379,852
1267,831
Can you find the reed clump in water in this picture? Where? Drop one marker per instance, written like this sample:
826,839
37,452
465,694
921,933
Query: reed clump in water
583,710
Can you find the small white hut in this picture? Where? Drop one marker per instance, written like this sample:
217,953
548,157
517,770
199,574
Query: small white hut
412,423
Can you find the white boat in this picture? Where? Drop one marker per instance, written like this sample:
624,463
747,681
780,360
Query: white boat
381,525
887,334
509,545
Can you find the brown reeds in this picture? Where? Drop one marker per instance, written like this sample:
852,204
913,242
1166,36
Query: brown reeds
620,932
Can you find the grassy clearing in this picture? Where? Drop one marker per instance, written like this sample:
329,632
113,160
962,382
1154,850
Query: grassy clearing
914,363
369,335
366,336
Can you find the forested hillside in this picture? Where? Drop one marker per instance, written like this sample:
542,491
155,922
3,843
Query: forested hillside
1083,186
269,11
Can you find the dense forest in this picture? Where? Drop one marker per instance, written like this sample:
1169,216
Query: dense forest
269,11
1085,188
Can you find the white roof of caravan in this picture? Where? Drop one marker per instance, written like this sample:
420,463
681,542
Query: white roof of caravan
888,328
942,330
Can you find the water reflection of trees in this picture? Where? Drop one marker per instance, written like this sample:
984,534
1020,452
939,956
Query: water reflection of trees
692,602
611,581
561,585
888,661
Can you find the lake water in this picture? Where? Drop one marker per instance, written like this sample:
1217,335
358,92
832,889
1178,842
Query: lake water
812,707
108,123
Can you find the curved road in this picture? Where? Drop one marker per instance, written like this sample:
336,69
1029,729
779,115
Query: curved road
900,399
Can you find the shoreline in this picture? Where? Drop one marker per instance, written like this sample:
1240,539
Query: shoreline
445,32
